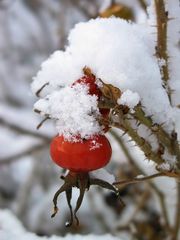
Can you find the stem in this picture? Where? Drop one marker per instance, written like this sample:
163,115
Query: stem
161,48
175,146
142,143
162,135
136,180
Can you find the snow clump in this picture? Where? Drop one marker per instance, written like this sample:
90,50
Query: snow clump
119,53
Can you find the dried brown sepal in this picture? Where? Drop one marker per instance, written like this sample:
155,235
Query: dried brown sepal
39,91
118,10
87,71
42,122
110,92
83,182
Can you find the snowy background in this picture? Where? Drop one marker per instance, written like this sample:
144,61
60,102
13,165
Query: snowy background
30,31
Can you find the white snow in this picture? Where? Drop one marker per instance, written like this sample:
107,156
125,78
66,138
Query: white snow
116,51
129,98
12,229
74,110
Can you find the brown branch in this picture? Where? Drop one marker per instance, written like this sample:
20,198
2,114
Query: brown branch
136,180
175,146
156,129
140,141
161,48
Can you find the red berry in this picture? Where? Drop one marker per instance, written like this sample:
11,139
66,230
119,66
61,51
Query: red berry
89,80
84,156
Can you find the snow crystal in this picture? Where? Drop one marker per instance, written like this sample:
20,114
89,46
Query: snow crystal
58,71
119,53
129,98
74,110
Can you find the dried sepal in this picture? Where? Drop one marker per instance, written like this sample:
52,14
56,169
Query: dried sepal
82,181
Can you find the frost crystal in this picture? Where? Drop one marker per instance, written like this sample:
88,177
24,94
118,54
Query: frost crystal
74,110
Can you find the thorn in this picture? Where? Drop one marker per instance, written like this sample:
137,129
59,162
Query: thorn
171,18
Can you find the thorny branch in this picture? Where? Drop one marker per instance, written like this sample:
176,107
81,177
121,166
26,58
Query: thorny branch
126,120
161,48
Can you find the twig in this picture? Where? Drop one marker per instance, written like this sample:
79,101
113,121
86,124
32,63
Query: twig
156,129
161,48
175,146
140,141
136,180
